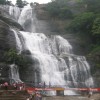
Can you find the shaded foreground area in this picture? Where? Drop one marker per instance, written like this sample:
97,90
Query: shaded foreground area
93,97
13,95
23,95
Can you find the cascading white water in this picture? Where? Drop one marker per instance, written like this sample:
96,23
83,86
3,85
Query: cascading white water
14,73
27,19
14,12
18,44
23,17
39,46
54,60
53,68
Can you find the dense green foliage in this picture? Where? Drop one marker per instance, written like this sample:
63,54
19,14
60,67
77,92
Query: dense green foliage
88,22
21,3
85,20
92,5
65,13
59,9
12,56
53,9
3,2
96,26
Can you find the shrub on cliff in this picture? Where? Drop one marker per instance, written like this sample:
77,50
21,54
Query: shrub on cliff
82,22
94,55
65,13
21,3
53,9
12,57
59,9
3,2
92,5
96,27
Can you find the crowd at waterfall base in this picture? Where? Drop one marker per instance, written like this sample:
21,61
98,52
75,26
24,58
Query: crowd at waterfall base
14,86
37,93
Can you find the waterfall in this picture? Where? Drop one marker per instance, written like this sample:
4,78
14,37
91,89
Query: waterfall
54,61
75,71
14,12
26,20
18,44
14,74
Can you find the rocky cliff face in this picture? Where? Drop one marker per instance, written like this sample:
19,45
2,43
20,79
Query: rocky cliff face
7,38
79,44
57,26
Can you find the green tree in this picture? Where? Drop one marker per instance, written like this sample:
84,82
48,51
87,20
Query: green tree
53,9
83,22
3,2
96,30
92,5
25,3
8,2
19,3
12,57
58,8
65,13
96,26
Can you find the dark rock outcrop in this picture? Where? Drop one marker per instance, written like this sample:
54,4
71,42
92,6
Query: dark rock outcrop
41,13
11,22
4,70
26,52
7,39
80,43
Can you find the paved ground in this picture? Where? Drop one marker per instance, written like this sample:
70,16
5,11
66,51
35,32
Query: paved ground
13,95
94,97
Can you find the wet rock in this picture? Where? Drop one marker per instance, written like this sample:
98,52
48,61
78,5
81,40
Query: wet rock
11,22
4,71
7,39
26,52
41,13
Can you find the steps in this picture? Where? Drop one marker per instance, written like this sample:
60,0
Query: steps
13,95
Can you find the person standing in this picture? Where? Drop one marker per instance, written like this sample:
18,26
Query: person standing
90,92
6,85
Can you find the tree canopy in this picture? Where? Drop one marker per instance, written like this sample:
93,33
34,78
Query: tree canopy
59,9
82,17
21,3
96,26
83,22
5,2
2,1
12,57
92,5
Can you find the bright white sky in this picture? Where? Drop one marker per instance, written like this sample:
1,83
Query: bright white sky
39,1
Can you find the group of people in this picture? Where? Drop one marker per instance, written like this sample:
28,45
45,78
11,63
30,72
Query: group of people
15,86
4,85
90,92
35,96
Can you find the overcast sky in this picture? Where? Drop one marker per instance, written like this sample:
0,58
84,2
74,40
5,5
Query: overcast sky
39,1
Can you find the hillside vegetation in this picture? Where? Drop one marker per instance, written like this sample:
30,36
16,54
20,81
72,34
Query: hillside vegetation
84,21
